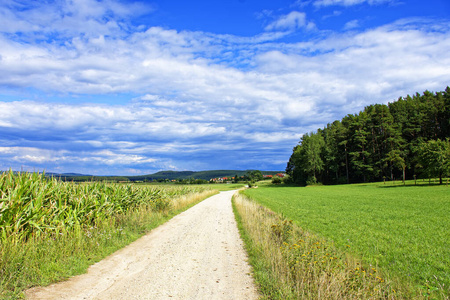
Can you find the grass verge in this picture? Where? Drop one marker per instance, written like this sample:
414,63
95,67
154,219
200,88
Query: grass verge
290,263
48,258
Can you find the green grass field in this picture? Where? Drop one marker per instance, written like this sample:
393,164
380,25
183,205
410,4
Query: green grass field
216,186
404,230
224,186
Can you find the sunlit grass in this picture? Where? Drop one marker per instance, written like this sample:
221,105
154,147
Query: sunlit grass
404,230
224,186
290,263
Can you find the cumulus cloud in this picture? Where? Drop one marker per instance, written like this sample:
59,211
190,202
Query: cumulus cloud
351,25
87,17
319,3
394,51
41,159
128,136
292,21
197,100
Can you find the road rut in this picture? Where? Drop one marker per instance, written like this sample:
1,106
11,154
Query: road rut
196,255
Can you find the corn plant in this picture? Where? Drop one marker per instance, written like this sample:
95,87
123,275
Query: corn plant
31,203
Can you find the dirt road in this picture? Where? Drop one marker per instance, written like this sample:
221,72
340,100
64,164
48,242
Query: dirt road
196,255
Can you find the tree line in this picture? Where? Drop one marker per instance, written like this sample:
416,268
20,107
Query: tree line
405,139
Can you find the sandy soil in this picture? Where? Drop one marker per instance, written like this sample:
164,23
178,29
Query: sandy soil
196,255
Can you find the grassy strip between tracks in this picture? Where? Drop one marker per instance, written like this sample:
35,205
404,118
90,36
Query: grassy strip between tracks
291,263
36,253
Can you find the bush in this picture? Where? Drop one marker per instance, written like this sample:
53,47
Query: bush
287,179
251,183
276,180
312,180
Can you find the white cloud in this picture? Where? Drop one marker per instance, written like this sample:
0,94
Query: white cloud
149,97
377,65
350,2
351,25
172,78
292,21
195,92
87,17
29,155
335,13
273,137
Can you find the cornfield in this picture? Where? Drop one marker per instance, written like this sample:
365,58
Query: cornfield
32,204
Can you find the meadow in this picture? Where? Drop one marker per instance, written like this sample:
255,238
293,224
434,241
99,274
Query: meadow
224,186
51,230
400,230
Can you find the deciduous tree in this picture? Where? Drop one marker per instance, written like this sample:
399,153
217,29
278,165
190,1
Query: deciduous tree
435,157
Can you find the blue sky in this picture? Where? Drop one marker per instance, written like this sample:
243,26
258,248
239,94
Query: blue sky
125,88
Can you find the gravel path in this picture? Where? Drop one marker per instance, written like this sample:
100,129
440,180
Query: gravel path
196,255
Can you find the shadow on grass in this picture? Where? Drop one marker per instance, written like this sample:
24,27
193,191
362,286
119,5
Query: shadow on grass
283,185
411,185
388,184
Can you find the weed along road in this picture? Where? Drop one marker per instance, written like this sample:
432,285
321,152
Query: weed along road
196,255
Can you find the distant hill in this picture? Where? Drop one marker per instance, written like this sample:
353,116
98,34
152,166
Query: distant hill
161,175
65,174
205,175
